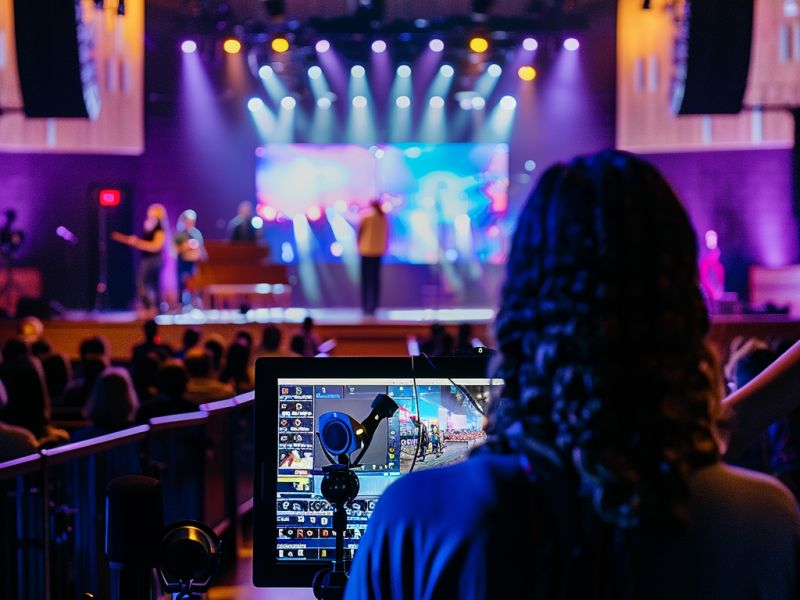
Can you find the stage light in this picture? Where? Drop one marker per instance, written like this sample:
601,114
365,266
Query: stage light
413,152
508,102
478,103
188,46
313,213
465,103
324,103
268,213
255,104
315,72
530,44
526,73
447,71
403,71
287,253
378,46
110,197
359,101
357,71
530,165
462,223
260,151
437,102
403,101
323,46
265,72
478,45
340,206
493,231
232,46
428,202
494,70
379,153
387,207
280,45
451,255
337,249
436,45
571,44
257,222
288,102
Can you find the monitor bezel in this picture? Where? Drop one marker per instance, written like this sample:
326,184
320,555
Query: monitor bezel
267,571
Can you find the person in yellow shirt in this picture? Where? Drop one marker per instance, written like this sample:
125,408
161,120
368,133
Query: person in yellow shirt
373,237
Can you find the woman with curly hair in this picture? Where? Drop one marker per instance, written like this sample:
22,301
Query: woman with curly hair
600,477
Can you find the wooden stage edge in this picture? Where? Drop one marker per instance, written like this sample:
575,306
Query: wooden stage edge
384,335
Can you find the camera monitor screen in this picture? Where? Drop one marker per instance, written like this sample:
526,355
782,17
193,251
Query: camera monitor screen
438,422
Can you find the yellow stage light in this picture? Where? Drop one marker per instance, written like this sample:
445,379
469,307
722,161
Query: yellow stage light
478,45
526,73
232,46
280,45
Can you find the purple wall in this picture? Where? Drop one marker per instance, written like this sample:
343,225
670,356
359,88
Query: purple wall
746,197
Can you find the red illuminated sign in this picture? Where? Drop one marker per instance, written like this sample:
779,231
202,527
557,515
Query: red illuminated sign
109,197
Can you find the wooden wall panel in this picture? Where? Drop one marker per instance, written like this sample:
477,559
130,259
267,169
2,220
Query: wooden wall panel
119,57
645,122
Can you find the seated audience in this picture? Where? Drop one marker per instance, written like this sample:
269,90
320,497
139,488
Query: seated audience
15,442
77,391
191,337
202,387
15,348
112,405
144,378
271,344
57,373
28,401
237,370
171,380
600,475
152,343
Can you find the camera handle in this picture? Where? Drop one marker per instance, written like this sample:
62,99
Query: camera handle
340,486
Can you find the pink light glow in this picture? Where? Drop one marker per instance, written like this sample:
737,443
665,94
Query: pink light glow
313,213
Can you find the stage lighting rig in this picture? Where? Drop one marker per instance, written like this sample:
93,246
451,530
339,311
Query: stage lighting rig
340,435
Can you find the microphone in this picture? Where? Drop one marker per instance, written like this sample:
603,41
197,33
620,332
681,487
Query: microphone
134,529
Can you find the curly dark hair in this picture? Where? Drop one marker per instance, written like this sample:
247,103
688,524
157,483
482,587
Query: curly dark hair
602,330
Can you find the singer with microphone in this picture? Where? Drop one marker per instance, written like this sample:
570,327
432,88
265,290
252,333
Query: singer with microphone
151,244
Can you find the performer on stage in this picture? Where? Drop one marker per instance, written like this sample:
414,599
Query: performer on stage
241,227
189,246
151,244
373,236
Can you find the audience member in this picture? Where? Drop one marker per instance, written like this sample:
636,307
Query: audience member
15,348
30,329
309,340
15,442
603,448
152,343
237,370
144,378
271,344
202,387
171,382
464,342
191,337
216,345
28,401
439,344
244,337
41,348
77,392
57,373
112,405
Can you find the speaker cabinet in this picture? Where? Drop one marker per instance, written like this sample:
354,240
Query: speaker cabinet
54,56
712,56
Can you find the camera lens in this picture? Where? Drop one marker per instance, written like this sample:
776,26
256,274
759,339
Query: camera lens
336,437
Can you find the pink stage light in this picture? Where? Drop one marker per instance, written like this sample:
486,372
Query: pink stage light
313,213
323,46
267,213
260,151
189,46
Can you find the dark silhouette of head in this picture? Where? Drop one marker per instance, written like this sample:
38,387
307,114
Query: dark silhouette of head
298,345
191,337
171,380
113,403
236,362
602,331
216,347
150,331
57,373
308,324
95,345
271,340
244,337
15,348
144,376
198,362
28,401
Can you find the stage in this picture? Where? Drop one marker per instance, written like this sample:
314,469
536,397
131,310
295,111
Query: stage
385,334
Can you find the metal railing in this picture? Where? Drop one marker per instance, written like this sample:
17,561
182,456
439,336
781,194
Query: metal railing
52,504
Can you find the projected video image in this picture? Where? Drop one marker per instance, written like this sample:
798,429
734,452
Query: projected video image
444,202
